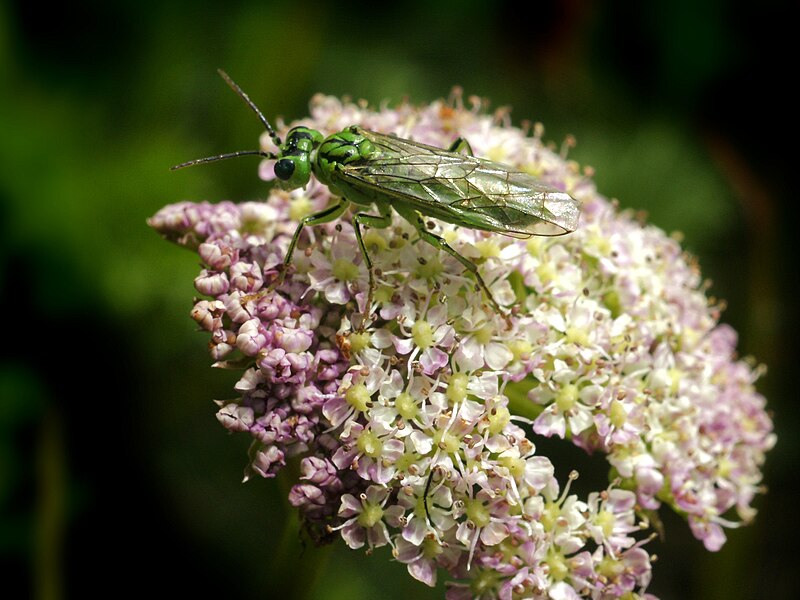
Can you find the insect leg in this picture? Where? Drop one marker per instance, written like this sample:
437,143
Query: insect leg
332,212
381,221
461,146
418,221
326,215
442,473
425,496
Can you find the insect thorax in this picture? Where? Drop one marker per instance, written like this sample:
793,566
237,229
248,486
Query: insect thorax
346,147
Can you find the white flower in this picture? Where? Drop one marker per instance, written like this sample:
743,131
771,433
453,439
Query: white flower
413,414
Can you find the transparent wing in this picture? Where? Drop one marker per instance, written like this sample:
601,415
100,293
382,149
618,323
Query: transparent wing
464,190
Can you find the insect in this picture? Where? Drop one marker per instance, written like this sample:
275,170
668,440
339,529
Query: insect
370,169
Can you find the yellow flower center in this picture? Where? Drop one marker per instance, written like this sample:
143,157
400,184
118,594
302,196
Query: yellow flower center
406,406
476,512
546,272
370,516
617,414
370,444
344,270
488,248
515,466
520,349
422,334
567,397
578,335
484,335
374,241
534,245
357,397
498,420
299,207
448,442
432,269
605,520
457,388
558,566
358,342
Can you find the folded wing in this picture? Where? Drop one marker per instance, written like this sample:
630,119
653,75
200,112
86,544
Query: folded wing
464,190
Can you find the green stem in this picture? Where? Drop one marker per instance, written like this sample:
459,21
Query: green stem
297,563
518,402
49,510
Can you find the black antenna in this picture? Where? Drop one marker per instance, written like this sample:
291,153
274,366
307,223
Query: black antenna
208,159
275,139
235,87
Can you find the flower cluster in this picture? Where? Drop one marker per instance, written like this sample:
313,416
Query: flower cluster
414,419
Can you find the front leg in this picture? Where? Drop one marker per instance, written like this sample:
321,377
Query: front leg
326,215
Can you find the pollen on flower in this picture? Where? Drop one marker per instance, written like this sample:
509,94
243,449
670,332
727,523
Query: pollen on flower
457,388
477,512
567,397
488,248
498,419
534,245
429,269
450,236
617,414
370,444
516,466
370,516
448,442
344,270
358,397
414,412
557,566
375,242
406,406
422,334
546,273
300,207
359,341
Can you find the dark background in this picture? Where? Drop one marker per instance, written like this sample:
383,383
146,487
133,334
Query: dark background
114,474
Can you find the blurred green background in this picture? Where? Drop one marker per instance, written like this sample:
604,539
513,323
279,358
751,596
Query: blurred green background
114,474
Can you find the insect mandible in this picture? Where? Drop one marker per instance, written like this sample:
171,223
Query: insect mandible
418,181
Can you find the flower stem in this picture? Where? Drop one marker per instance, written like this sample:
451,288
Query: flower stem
296,562
518,402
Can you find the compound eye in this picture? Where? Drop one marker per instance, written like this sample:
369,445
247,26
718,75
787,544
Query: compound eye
284,169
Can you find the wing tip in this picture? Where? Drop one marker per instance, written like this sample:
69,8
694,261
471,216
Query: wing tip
565,212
